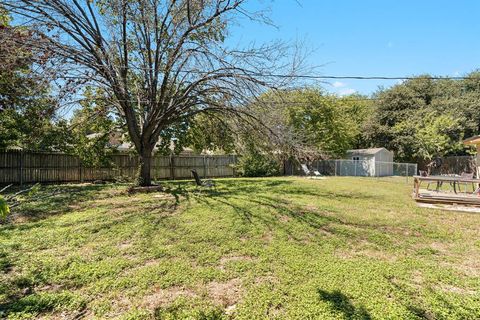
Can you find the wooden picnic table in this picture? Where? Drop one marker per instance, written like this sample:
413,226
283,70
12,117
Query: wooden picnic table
453,179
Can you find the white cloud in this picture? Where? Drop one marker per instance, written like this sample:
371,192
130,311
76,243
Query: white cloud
338,84
347,91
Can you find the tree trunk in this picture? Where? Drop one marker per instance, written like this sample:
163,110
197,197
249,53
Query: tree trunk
145,178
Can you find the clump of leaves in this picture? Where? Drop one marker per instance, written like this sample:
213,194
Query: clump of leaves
4,209
10,201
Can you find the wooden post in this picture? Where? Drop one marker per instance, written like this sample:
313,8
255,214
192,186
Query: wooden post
80,169
416,187
204,166
477,164
21,168
172,168
235,165
406,172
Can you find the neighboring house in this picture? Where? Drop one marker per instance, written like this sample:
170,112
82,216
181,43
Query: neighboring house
118,140
373,162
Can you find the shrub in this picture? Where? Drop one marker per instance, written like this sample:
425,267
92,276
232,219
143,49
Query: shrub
256,164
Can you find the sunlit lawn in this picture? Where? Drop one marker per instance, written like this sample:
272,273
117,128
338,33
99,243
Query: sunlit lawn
279,248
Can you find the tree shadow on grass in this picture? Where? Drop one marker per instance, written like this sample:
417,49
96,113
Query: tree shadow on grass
53,200
421,310
251,186
249,198
341,303
246,206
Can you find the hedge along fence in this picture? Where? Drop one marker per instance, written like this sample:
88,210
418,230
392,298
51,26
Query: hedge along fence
19,167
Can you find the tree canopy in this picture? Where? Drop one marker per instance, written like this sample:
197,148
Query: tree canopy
160,62
423,118
27,107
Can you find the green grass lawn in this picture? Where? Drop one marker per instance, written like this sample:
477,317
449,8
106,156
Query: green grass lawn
276,248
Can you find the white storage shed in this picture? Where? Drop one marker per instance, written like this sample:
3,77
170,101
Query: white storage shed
372,162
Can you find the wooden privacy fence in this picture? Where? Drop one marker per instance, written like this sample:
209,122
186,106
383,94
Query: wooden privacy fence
453,165
20,167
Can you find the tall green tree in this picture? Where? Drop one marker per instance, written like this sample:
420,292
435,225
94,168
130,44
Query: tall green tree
320,118
422,118
27,110
162,62
309,123
90,129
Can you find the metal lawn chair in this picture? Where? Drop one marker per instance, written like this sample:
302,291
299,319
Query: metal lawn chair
310,173
206,183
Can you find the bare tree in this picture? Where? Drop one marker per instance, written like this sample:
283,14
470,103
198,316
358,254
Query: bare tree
161,61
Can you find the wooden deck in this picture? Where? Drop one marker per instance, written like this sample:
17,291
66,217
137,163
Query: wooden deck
447,190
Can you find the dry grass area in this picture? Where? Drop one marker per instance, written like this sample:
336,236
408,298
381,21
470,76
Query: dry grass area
277,248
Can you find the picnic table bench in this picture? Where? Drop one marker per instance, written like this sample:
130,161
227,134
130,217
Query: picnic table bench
454,180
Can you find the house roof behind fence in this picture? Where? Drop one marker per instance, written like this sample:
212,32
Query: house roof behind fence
370,151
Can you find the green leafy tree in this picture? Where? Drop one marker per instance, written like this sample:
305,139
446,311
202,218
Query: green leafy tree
319,117
356,111
161,62
438,135
90,129
255,163
211,132
308,123
27,110
423,117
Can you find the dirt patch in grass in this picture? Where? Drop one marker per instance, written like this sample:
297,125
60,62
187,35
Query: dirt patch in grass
366,253
469,266
124,245
267,279
453,289
399,230
162,297
49,288
310,208
225,260
164,196
267,237
139,265
83,314
276,311
151,262
440,247
417,279
226,293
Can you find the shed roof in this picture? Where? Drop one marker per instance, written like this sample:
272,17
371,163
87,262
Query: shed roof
369,151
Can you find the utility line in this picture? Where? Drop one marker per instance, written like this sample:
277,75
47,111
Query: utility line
240,71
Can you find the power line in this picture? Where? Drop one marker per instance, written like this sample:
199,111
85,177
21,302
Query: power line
240,71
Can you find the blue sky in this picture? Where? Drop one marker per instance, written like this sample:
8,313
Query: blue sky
375,37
